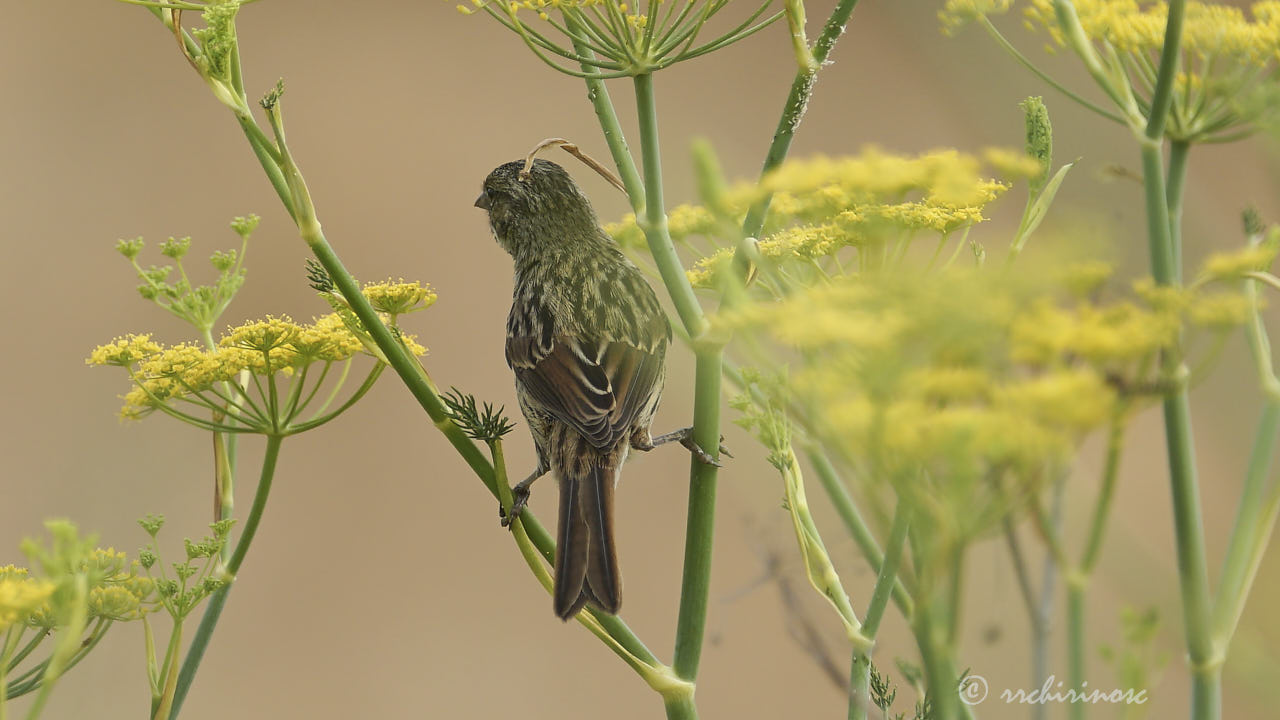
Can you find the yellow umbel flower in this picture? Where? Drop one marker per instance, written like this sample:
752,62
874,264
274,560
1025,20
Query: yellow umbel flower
399,297
1227,79
21,596
822,205
124,352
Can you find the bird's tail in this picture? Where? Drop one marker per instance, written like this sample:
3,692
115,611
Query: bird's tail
586,558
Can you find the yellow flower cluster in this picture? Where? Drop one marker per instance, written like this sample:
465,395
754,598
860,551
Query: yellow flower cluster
399,297
119,592
635,21
821,205
116,592
961,374
1227,81
263,347
958,13
21,596
1210,30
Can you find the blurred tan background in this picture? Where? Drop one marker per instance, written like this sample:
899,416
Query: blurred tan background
380,584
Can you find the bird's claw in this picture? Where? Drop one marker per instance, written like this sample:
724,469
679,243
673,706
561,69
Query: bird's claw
703,456
519,498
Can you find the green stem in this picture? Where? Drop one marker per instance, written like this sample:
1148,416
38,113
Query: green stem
11,639
860,667
940,675
166,708
654,219
1075,643
1162,98
1249,533
609,125
66,647
213,611
223,479
1179,150
794,109
857,527
265,152
696,579
1106,493
22,654
1188,524
1025,62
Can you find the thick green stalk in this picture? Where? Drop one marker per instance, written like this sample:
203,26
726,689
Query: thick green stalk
654,219
213,611
1179,151
695,583
1193,573
794,109
860,667
941,679
696,579
1188,523
1076,643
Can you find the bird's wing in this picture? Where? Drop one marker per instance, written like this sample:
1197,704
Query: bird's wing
598,387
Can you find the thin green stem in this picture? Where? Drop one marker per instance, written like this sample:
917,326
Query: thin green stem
65,649
166,708
847,509
1026,63
609,125
860,667
213,611
1249,533
1162,98
1106,493
794,109
26,650
11,638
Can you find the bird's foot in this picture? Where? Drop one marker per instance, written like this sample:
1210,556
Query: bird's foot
519,498
684,436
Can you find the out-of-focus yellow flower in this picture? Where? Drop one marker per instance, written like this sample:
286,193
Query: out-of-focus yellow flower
1220,309
1227,64
822,205
1223,266
21,596
958,13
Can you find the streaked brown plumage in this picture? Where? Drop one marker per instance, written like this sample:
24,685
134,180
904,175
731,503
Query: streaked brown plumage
587,340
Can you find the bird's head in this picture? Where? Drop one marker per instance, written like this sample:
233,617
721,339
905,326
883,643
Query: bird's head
529,212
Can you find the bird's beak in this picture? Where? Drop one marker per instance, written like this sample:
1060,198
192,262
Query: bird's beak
482,202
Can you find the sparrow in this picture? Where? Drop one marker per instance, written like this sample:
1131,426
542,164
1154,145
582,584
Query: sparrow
587,341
